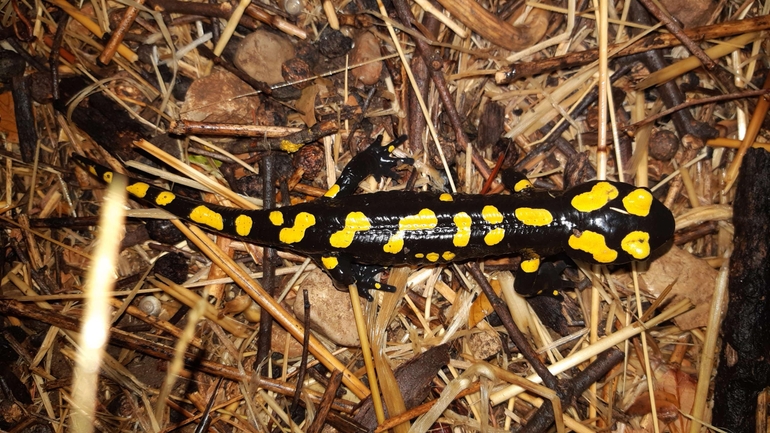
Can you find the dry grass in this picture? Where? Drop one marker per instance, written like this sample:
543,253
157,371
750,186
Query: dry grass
159,374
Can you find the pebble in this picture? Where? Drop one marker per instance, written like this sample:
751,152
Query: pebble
218,98
331,313
261,55
367,47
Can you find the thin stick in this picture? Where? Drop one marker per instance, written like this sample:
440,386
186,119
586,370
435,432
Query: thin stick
602,14
751,134
232,23
643,337
716,313
366,352
694,102
184,127
129,16
684,66
734,144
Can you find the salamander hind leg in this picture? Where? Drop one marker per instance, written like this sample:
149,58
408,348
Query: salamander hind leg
344,273
540,278
375,160
366,280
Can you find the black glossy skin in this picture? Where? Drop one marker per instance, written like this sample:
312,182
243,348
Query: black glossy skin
385,209
343,253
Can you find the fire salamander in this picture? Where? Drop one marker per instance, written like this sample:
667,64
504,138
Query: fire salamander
353,236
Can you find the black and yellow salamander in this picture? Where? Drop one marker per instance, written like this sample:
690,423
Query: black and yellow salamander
353,236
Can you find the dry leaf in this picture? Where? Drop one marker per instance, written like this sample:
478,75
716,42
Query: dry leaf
8,118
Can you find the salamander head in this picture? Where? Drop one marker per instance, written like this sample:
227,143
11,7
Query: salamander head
616,223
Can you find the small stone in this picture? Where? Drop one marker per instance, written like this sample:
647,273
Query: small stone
331,313
663,144
219,97
367,48
485,344
261,55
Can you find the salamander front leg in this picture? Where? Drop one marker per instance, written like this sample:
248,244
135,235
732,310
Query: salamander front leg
375,160
535,278
344,273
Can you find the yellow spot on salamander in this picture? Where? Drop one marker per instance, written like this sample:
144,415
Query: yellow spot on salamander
637,243
395,243
333,191
92,170
530,265
302,221
107,176
432,257
522,185
391,148
494,237
446,197
330,262
463,222
204,215
593,243
276,217
354,222
419,255
448,256
289,146
424,220
638,202
492,215
534,217
138,189
600,195
243,225
164,198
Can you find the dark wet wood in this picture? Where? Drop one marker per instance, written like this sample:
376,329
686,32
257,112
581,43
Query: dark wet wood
744,361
